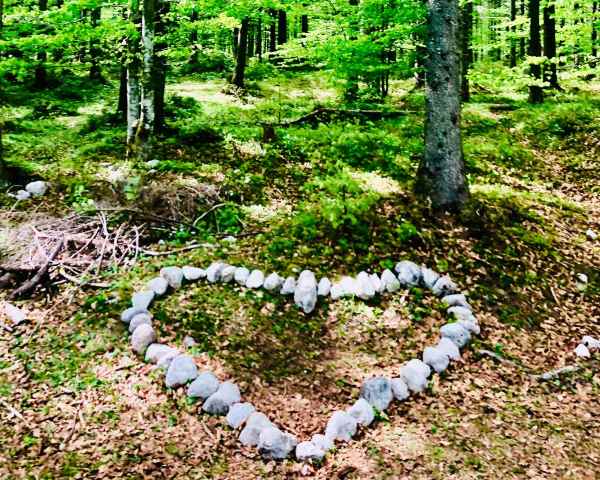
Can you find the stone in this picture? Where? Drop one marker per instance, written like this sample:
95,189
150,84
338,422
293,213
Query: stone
220,401
142,337
322,442
289,286
37,188
153,163
365,287
139,319
591,342
213,272
399,389
305,295
241,275
376,283
273,282
131,312
22,195
255,424
341,426
456,300
191,274
389,281
415,374
457,333
462,313
591,235
182,370
156,351
409,273
273,444
255,279
363,412
228,273
309,452
165,361
449,348
158,285
444,286
581,282
582,351
15,314
346,287
173,276
428,277
239,413
324,287
378,392
189,342
203,386
142,300
436,359
470,325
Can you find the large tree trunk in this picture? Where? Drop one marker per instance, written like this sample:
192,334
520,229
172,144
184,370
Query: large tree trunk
513,32
441,176
242,50
40,74
273,31
134,92
281,27
304,24
466,49
522,39
251,29
536,94
550,72
95,72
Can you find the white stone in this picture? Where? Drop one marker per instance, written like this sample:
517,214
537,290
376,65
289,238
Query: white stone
192,274
255,424
462,313
444,286
582,351
309,452
189,341
591,235
228,273
220,401
456,300
131,312
182,370
138,320
153,163
241,275
273,282
436,359
142,300
305,295
376,283
399,389
378,392
389,281
142,337
173,275
346,287
156,351
15,314
429,277
322,442
37,188
239,413
470,325
164,362
365,287
363,412
289,286
449,348
273,444
409,273
203,386
457,333
415,374
341,426
256,279
324,287
22,195
158,285
213,272
591,342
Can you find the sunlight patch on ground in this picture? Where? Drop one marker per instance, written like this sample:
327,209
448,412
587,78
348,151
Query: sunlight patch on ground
265,213
378,183
210,95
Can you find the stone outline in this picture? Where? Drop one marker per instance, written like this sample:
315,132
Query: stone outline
224,398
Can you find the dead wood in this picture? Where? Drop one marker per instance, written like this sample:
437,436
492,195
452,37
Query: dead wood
37,278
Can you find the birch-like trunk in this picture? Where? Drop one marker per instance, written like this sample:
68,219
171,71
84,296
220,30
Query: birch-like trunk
442,171
134,93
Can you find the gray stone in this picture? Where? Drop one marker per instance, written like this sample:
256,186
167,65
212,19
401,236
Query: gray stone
363,412
449,348
591,342
462,313
457,333
189,342
173,276
444,286
289,286
165,361
309,452
322,442
256,279
220,401
255,424
436,359
346,287
156,351
241,275
582,351
273,444
470,325
131,312
341,426
239,413
158,285
409,273
415,374
203,386
192,274
37,188
389,281
228,273
456,300
182,370
376,283
138,320
142,300
22,195
591,235
15,314
365,287
305,295
272,282
428,277
324,287
153,163
399,389
378,392
142,337
213,272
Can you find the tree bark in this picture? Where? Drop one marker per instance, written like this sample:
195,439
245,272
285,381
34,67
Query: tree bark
281,27
240,64
160,65
95,71
273,31
40,74
133,78
513,32
536,94
550,71
122,102
441,176
594,34
522,39
1,14
251,28
466,50
259,33
304,24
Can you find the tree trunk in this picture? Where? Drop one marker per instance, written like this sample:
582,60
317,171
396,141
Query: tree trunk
133,78
194,37
160,65
536,94
273,31
240,64
122,103
259,33
304,24
1,14
251,28
513,32
235,41
550,72
420,37
522,39
281,27
466,50
40,75
95,72
594,34
441,176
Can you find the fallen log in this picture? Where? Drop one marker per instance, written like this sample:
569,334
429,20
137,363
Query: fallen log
37,278
323,114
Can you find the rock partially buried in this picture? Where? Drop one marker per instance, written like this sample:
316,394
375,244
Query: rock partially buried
273,444
228,273
456,300
399,389
131,312
37,188
192,274
415,374
324,287
444,286
305,295
142,300
436,359
457,333
591,235
220,401
462,313
241,275
15,314
363,412
173,276
389,281
181,371
322,442
239,413
138,320
591,342
158,285
289,286
256,279
409,273
582,351
203,386
365,286
377,392
255,424
429,277
376,283
22,195
213,272
142,337
273,282
341,426
309,452
449,348
156,351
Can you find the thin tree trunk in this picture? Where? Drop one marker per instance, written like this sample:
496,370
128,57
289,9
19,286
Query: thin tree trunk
304,24
594,34
251,28
522,39
194,37
122,103
95,72
160,65
1,14
281,27
273,31
235,41
134,92
441,176
41,77
536,94
550,71
513,32
259,33
466,50
240,64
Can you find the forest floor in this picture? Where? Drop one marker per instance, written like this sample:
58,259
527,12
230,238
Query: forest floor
337,199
